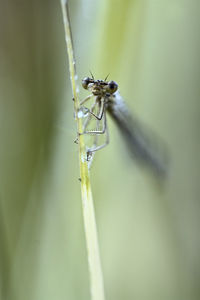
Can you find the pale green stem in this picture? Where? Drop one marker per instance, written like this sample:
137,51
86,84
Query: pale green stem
96,277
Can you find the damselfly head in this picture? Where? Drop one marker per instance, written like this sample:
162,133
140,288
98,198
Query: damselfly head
99,87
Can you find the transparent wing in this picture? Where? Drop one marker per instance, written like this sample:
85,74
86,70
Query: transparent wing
145,147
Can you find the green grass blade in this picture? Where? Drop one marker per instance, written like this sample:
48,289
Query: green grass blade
96,277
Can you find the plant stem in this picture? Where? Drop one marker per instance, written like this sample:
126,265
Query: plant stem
96,277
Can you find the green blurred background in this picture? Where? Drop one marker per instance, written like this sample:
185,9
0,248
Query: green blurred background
149,236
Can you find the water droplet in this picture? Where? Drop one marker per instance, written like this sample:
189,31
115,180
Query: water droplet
83,112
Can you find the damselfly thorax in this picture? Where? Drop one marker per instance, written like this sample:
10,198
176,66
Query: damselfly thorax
107,98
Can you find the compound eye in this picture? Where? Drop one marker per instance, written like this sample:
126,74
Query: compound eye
85,82
112,87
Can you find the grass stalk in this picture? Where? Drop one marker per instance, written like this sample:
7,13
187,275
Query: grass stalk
95,271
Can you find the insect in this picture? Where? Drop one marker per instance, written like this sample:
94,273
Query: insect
107,99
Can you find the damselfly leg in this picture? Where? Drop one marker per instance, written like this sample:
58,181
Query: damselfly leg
100,124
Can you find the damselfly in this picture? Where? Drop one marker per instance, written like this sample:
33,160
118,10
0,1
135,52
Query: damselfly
107,99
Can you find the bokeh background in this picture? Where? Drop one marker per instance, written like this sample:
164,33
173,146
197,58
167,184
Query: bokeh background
148,235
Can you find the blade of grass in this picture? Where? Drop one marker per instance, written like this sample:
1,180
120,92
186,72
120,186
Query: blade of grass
96,277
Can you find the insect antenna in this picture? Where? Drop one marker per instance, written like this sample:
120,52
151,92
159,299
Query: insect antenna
106,77
91,74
